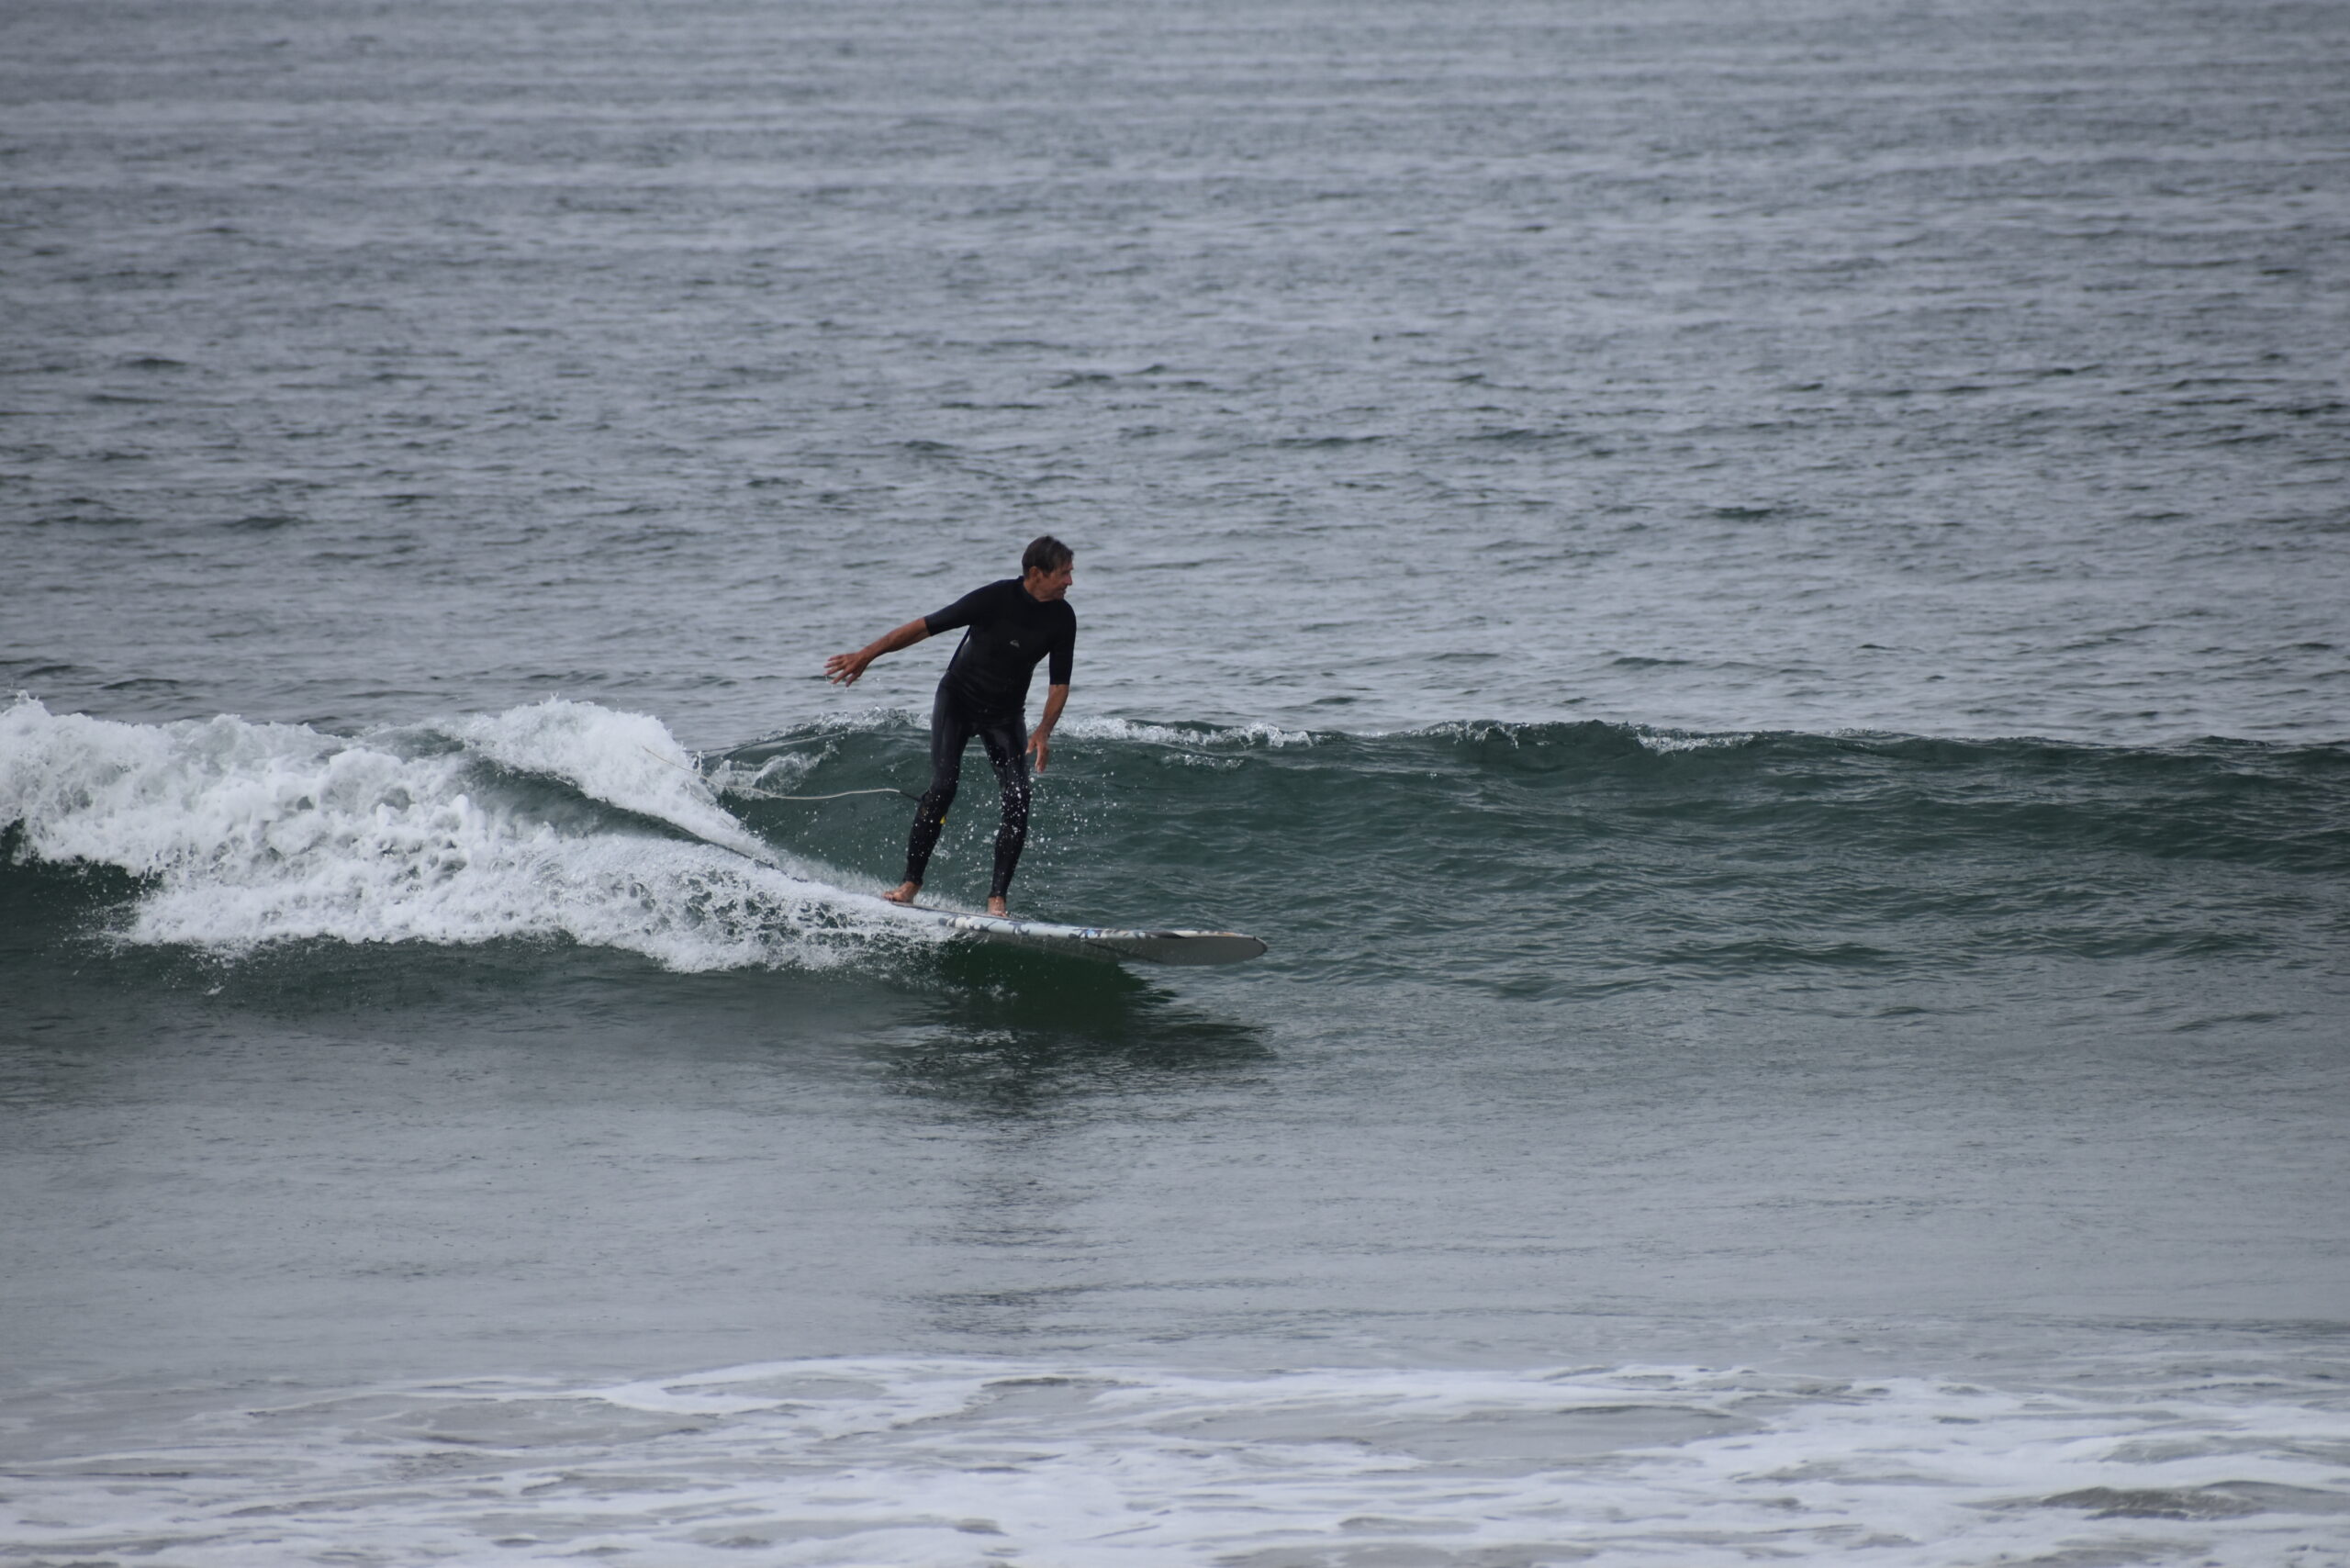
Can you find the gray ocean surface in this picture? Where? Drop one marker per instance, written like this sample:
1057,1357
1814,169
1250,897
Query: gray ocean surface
1754,599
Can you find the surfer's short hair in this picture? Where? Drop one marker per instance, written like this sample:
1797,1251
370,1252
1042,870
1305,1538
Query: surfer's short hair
1045,554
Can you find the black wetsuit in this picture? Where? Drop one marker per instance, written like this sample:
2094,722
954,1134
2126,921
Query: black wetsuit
985,692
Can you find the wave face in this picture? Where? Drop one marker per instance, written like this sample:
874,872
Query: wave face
1569,858
1547,859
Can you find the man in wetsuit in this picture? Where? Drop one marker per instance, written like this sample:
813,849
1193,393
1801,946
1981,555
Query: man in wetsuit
1009,628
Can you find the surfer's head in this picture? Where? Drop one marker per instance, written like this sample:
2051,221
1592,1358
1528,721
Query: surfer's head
1046,568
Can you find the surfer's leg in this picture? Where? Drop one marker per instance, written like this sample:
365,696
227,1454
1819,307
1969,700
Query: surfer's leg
950,732
1007,742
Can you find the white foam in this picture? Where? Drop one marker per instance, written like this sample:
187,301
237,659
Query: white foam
1251,734
628,760
869,720
1670,741
952,1461
778,775
1483,731
247,833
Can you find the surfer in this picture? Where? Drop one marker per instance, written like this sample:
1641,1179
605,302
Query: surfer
1009,627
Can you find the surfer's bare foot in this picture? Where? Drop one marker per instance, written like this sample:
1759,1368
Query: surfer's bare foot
999,906
904,892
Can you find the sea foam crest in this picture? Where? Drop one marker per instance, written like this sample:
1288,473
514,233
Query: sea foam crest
629,760
773,776
246,834
1669,741
1249,734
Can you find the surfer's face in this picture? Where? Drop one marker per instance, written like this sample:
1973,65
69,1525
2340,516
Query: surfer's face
1046,586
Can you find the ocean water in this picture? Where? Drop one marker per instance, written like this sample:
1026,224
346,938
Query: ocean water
1752,598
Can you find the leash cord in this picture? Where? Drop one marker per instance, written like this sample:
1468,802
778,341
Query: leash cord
767,795
759,794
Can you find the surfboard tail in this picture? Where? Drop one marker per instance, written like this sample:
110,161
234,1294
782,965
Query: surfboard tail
1112,943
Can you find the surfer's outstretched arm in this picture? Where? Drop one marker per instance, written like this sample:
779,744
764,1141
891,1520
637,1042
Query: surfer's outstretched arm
843,668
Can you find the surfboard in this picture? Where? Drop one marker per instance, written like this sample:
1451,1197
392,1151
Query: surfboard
1110,943
1106,942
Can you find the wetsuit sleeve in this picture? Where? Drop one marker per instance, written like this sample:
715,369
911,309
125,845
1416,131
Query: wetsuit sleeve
962,612
1064,654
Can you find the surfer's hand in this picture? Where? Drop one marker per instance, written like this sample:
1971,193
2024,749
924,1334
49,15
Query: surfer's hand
842,669
1040,746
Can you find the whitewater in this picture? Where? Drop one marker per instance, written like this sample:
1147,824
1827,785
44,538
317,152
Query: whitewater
467,833
939,1463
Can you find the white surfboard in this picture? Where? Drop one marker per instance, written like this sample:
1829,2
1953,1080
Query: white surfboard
1105,942
1176,946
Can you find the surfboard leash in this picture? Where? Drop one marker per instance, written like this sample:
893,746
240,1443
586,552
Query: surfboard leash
768,795
759,794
